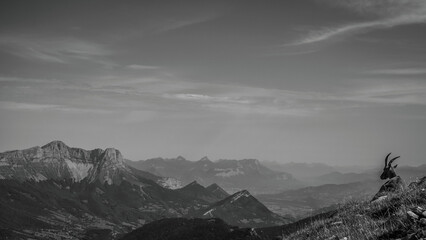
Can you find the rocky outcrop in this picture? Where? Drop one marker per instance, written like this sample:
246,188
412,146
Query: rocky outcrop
417,216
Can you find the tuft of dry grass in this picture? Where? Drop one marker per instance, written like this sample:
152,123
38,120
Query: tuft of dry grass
385,219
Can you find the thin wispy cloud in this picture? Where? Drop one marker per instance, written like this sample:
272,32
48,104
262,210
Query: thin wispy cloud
62,50
388,14
399,71
26,106
162,95
23,106
171,25
142,67
399,94
206,98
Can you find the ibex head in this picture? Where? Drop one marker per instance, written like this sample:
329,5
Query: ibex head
389,170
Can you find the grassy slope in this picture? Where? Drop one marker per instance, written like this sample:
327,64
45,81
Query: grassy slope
386,219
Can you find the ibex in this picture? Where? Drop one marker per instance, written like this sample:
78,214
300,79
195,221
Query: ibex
394,183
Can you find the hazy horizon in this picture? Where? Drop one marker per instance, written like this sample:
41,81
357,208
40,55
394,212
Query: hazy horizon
331,81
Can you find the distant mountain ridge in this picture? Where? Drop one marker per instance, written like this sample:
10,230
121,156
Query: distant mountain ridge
232,175
211,194
316,174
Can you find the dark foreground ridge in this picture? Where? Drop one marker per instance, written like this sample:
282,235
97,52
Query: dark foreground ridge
191,229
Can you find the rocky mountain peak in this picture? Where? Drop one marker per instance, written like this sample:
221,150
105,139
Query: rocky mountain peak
56,149
193,183
242,209
213,186
180,158
205,159
252,162
217,191
113,155
193,187
55,144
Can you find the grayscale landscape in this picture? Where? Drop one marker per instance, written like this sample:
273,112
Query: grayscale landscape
213,120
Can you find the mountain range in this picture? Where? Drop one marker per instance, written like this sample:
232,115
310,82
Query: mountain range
232,175
56,191
316,174
57,161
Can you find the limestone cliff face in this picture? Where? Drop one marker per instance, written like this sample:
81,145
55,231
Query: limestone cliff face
56,160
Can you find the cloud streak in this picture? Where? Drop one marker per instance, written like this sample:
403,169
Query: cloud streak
22,106
142,67
61,50
389,13
135,98
399,71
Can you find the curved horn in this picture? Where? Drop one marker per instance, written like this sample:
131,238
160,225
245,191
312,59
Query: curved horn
386,159
393,159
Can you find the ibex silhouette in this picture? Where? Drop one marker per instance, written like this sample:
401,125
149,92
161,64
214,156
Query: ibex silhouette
394,183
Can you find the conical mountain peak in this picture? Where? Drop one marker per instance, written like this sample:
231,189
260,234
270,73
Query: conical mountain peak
56,144
193,184
56,149
213,186
205,159
217,191
241,194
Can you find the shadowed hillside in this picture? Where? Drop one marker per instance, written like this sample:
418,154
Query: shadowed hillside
399,216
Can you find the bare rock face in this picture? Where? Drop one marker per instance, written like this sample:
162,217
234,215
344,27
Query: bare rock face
56,160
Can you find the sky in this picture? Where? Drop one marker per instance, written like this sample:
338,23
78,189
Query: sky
340,82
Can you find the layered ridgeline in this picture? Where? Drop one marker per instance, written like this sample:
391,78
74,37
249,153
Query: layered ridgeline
401,215
57,161
211,194
59,191
238,209
232,175
242,209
